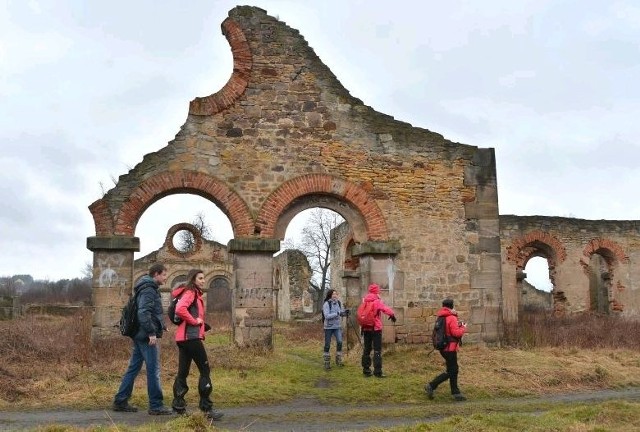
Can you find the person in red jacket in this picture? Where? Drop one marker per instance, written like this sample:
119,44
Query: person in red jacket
189,337
454,330
373,336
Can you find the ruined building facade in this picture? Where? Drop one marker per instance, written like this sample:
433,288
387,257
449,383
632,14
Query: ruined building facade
283,135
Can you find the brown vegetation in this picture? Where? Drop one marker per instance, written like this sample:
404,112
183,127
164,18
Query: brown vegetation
583,331
49,361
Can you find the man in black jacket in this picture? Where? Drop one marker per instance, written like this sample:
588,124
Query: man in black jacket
145,344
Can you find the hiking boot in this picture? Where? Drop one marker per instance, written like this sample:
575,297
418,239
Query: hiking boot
161,411
458,397
327,361
180,411
339,361
214,414
379,375
366,372
124,407
429,390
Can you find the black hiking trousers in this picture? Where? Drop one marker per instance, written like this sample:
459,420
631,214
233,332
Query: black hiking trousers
372,337
187,351
451,360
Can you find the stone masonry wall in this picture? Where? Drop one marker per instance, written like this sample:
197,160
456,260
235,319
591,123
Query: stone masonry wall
284,129
293,273
209,256
568,245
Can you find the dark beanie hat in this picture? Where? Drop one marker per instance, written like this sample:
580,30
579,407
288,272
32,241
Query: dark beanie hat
448,303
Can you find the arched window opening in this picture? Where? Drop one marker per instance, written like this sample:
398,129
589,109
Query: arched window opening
599,284
219,295
537,271
178,280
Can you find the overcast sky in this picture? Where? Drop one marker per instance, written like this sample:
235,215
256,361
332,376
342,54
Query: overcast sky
89,87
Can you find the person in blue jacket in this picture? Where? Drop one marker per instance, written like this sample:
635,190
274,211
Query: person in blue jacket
146,344
332,313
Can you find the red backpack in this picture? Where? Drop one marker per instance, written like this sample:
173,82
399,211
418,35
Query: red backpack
366,314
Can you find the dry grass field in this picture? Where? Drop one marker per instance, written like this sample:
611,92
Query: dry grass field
50,362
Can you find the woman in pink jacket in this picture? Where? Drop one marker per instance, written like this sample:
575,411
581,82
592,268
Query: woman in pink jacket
189,337
373,336
454,330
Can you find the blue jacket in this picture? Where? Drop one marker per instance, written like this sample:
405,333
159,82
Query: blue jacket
332,310
150,312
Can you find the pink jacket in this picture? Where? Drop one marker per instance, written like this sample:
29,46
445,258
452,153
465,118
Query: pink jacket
453,328
188,310
380,307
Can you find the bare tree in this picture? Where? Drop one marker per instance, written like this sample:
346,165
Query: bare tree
315,243
87,270
186,239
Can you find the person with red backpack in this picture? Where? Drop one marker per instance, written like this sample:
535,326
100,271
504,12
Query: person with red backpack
189,336
454,330
372,330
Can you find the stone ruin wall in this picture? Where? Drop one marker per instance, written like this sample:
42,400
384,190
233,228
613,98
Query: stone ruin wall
569,246
284,129
207,255
534,299
291,285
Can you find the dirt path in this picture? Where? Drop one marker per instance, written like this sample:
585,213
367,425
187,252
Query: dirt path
300,415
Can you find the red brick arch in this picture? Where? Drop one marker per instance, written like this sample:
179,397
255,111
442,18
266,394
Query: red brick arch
102,218
235,87
312,184
604,243
522,248
172,182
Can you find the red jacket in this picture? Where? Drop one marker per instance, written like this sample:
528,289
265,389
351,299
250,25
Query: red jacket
189,310
379,307
452,328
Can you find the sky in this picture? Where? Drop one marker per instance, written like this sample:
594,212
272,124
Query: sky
88,88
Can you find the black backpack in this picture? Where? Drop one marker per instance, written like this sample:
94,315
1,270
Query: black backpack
129,317
171,310
439,334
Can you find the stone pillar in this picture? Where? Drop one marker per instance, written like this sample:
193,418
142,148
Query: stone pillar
350,291
377,266
112,280
253,291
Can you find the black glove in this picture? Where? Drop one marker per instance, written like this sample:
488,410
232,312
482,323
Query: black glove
207,327
393,318
346,312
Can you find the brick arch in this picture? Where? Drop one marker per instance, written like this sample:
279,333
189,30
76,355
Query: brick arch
526,246
609,245
313,184
612,253
235,87
102,217
173,182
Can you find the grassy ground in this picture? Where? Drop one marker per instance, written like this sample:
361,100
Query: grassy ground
49,362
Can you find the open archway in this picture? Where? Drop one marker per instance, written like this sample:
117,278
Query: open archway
536,245
601,259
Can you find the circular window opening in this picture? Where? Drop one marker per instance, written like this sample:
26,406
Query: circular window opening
184,241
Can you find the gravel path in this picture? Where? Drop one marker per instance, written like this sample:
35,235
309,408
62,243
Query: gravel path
300,415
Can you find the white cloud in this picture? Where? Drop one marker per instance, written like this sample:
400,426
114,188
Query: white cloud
89,88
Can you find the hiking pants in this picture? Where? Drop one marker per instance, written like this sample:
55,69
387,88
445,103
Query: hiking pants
187,351
372,338
451,360
328,333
